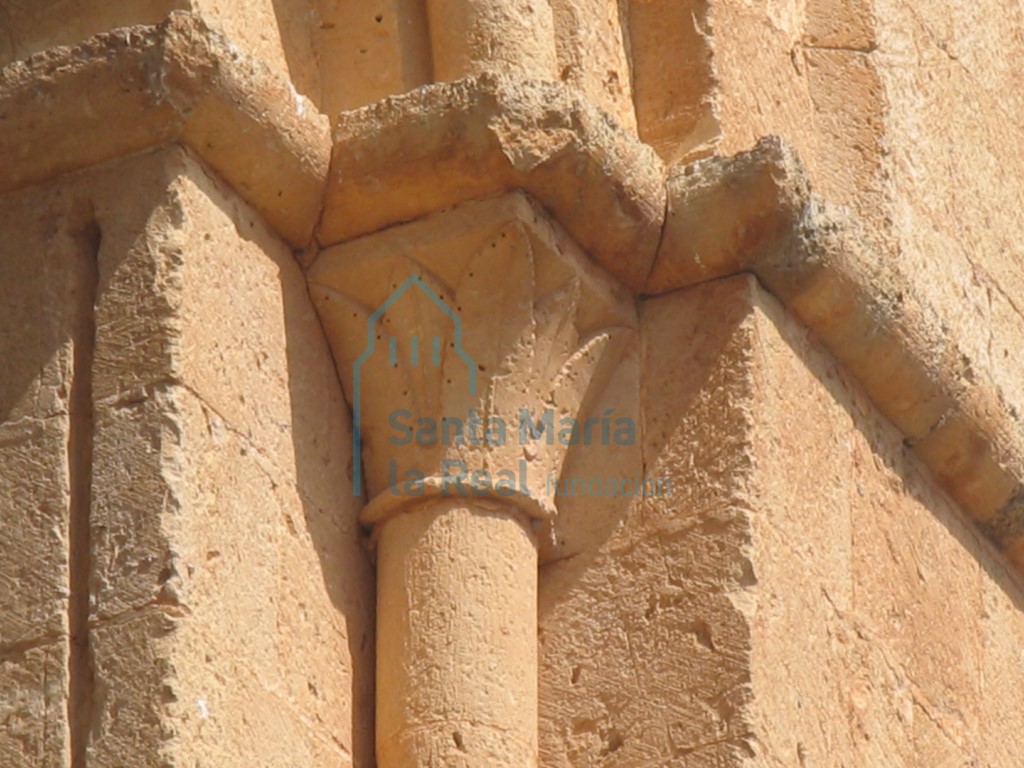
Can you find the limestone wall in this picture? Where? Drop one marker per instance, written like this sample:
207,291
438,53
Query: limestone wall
805,596
908,114
44,270
886,628
216,545
184,580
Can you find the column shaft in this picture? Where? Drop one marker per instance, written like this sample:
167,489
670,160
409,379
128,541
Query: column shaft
457,637
469,37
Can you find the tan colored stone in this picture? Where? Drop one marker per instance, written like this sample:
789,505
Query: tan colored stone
485,135
370,50
287,571
457,597
673,80
734,215
33,707
805,556
808,595
35,495
511,37
46,252
645,638
841,26
462,448
589,510
181,81
46,257
874,590
592,46
274,32
31,27
527,324
221,483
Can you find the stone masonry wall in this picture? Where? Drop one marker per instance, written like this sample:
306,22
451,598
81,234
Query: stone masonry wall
805,597
216,543
183,579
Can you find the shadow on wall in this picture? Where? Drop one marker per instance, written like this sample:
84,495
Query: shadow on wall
791,496
643,654
321,440
347,571
902,472
319,428
179,527
312,624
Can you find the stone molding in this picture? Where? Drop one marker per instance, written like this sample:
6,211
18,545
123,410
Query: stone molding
755,212
183,82
447,143
489,134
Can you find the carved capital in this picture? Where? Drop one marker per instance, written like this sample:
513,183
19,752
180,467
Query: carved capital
468,343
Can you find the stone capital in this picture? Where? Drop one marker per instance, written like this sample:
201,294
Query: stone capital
468,343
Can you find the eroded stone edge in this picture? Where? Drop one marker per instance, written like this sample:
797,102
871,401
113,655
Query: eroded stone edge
180,81
719,216
756,212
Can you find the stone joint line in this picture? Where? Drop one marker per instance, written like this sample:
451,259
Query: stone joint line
646,225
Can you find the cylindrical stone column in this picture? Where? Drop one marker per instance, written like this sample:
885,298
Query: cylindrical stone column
457,637
466,380
469,37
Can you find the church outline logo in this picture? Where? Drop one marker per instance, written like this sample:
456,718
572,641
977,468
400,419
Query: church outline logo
414,359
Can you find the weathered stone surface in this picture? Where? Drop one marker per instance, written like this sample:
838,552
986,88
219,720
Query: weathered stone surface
878,595
805,565
673,78
806,596
33,706
180,81
473,37
526,323
471,344
877,97
755,212
230,544
273,31
46,255
30,27
488,134
35,495
220,484
645,637
592,48
457,608
370,50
